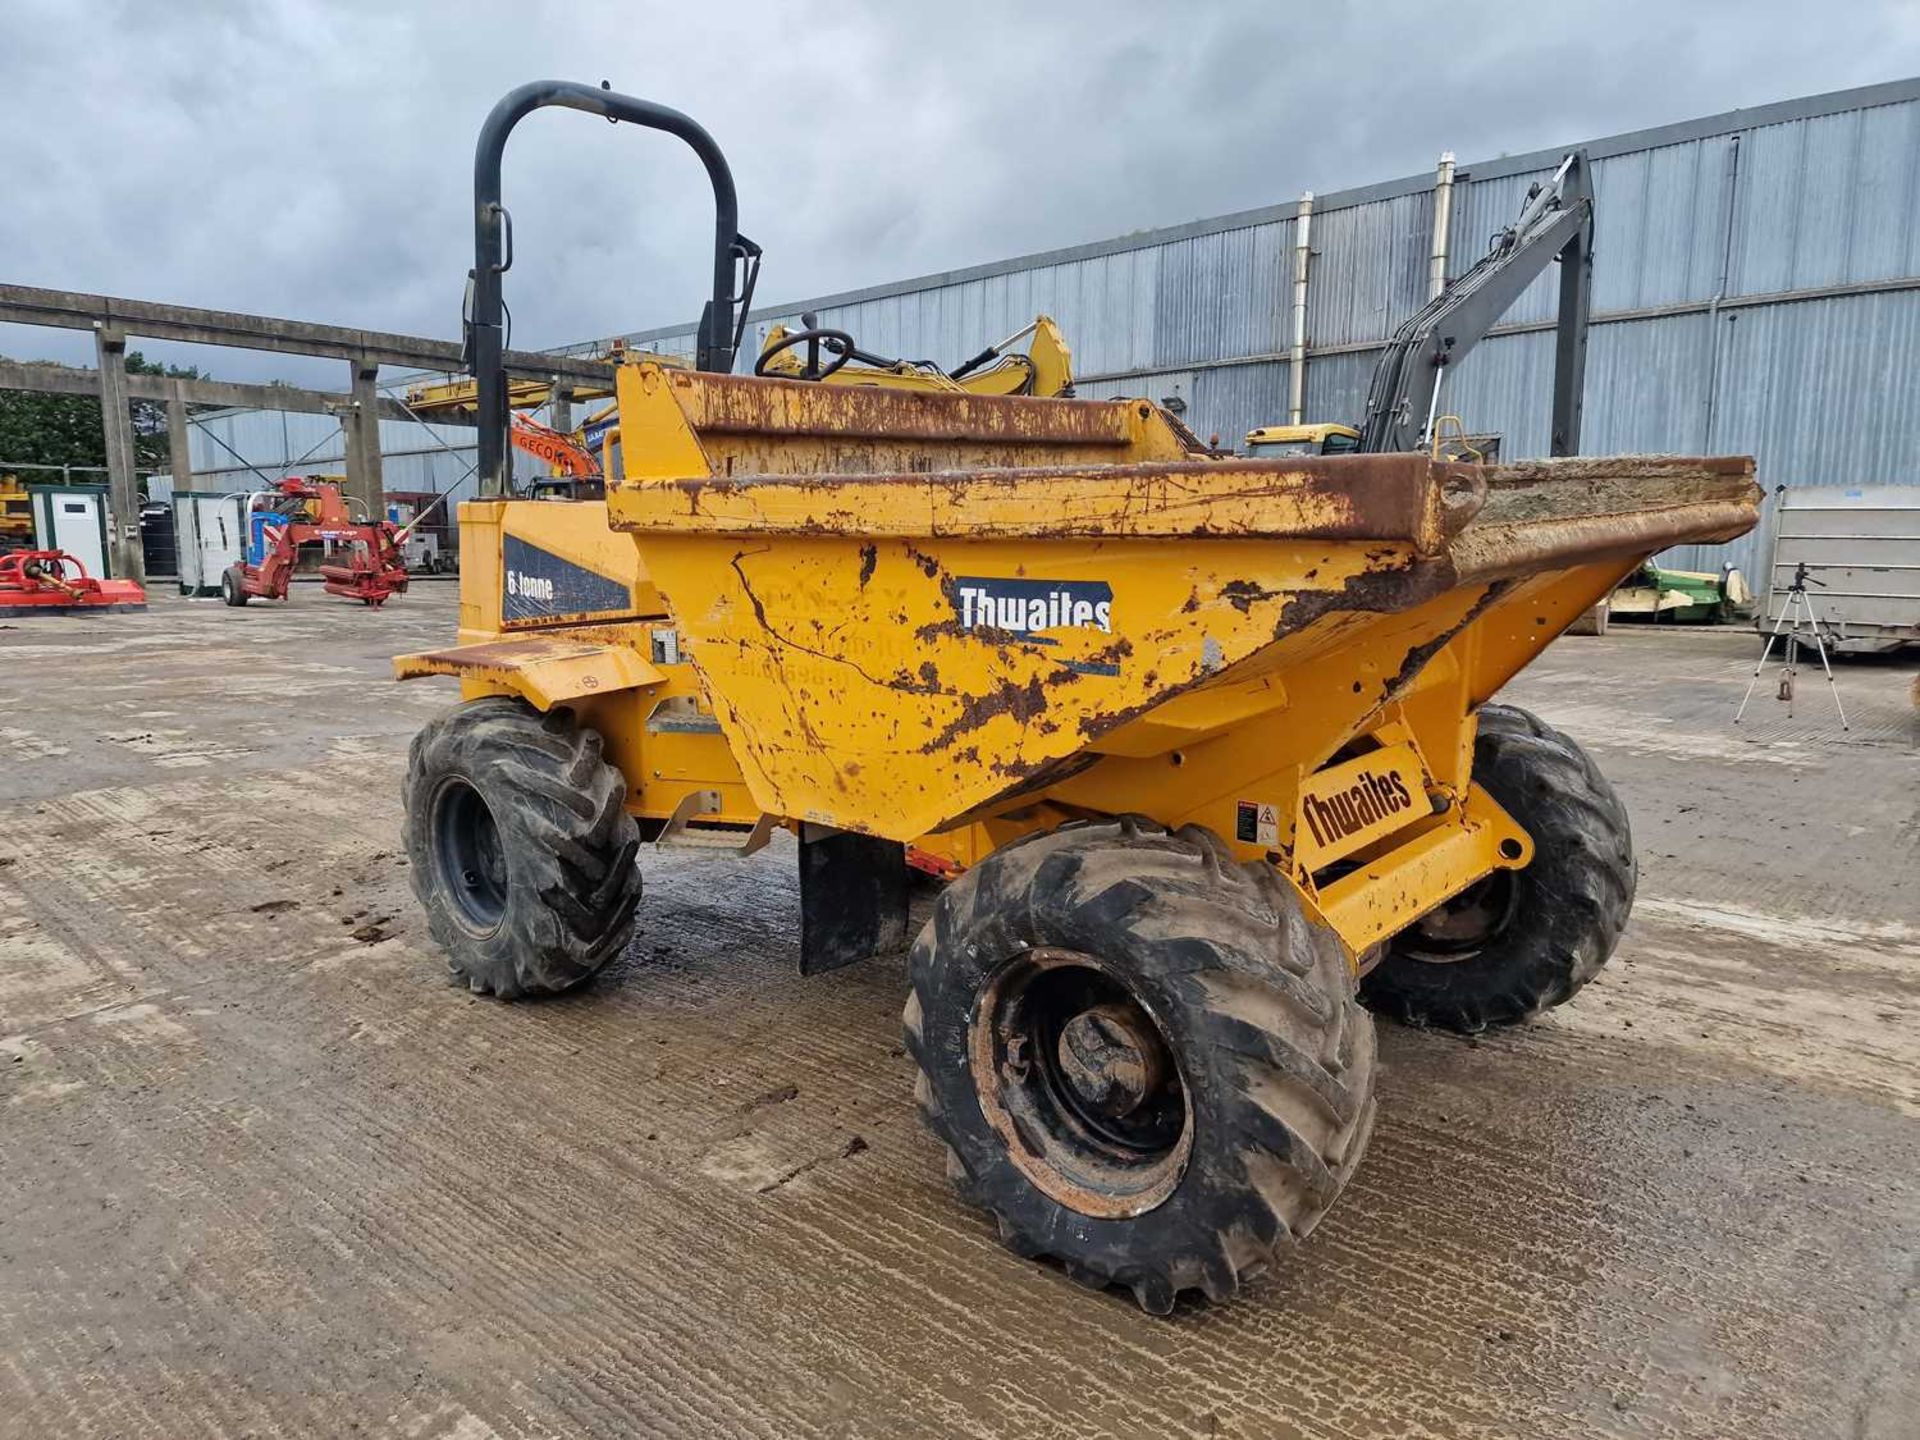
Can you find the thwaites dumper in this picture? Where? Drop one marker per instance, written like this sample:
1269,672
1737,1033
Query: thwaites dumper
1218,731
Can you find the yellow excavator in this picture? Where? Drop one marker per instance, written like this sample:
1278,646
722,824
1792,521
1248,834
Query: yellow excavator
1273,440
1403,402
1449,441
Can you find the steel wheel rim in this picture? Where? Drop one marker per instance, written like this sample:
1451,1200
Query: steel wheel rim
1078,1078
1465,925
472,862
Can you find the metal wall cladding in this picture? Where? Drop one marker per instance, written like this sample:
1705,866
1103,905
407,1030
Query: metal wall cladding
1228,402
1504,388
1831,196
1820,392
1660,218
1222,294
1646,389
680,345
1369,269
1336,388
1660,225
1647,386
1828,200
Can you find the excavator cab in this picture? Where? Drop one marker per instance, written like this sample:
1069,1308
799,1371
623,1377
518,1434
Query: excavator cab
1271,440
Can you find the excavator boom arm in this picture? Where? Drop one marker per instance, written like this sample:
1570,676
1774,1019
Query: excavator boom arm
560,450
1556,224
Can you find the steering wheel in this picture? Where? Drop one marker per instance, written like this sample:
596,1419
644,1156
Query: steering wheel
838,342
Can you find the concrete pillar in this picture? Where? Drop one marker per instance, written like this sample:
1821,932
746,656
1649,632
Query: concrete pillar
561,406
361,422
179,452
123,489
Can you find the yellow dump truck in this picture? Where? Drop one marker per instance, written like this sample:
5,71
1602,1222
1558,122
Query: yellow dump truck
1223,724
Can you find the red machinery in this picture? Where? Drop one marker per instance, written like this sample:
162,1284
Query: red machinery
559,449
52,582
307,511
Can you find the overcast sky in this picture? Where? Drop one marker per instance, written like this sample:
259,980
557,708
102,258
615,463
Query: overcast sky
312,158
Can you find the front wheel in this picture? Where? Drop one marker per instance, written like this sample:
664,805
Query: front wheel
1520,941
1143,1059
520,847
233,588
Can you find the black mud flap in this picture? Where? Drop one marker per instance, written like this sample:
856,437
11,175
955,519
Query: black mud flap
853,898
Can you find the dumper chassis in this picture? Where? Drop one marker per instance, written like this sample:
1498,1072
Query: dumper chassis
1209,741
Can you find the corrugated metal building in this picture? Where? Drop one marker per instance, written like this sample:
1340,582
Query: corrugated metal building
1756,289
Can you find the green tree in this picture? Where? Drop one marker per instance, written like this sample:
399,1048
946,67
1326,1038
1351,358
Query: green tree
38,429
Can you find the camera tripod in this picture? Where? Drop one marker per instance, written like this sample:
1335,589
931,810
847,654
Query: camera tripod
1796,608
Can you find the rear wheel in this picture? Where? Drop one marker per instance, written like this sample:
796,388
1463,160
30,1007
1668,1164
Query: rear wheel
1143,1059
233,589
1520,941
520,847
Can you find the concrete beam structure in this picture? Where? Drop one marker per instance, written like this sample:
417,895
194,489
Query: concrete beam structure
155,320
72,380
360,409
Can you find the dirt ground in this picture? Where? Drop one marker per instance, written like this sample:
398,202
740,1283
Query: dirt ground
263,1172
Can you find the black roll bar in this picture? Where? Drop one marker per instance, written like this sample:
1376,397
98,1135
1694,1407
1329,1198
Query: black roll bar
493,250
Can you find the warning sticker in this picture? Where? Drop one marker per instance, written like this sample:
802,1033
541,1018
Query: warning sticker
1256,824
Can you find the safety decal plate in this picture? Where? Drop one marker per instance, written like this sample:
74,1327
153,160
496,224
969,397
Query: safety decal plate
538,585
1256,823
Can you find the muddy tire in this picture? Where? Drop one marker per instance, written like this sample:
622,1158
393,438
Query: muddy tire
1522,940
232,590
520,848
1142,1058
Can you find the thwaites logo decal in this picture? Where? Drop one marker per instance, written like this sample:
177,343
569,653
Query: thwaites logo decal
539,585
1349,806
1029,607
1368,800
